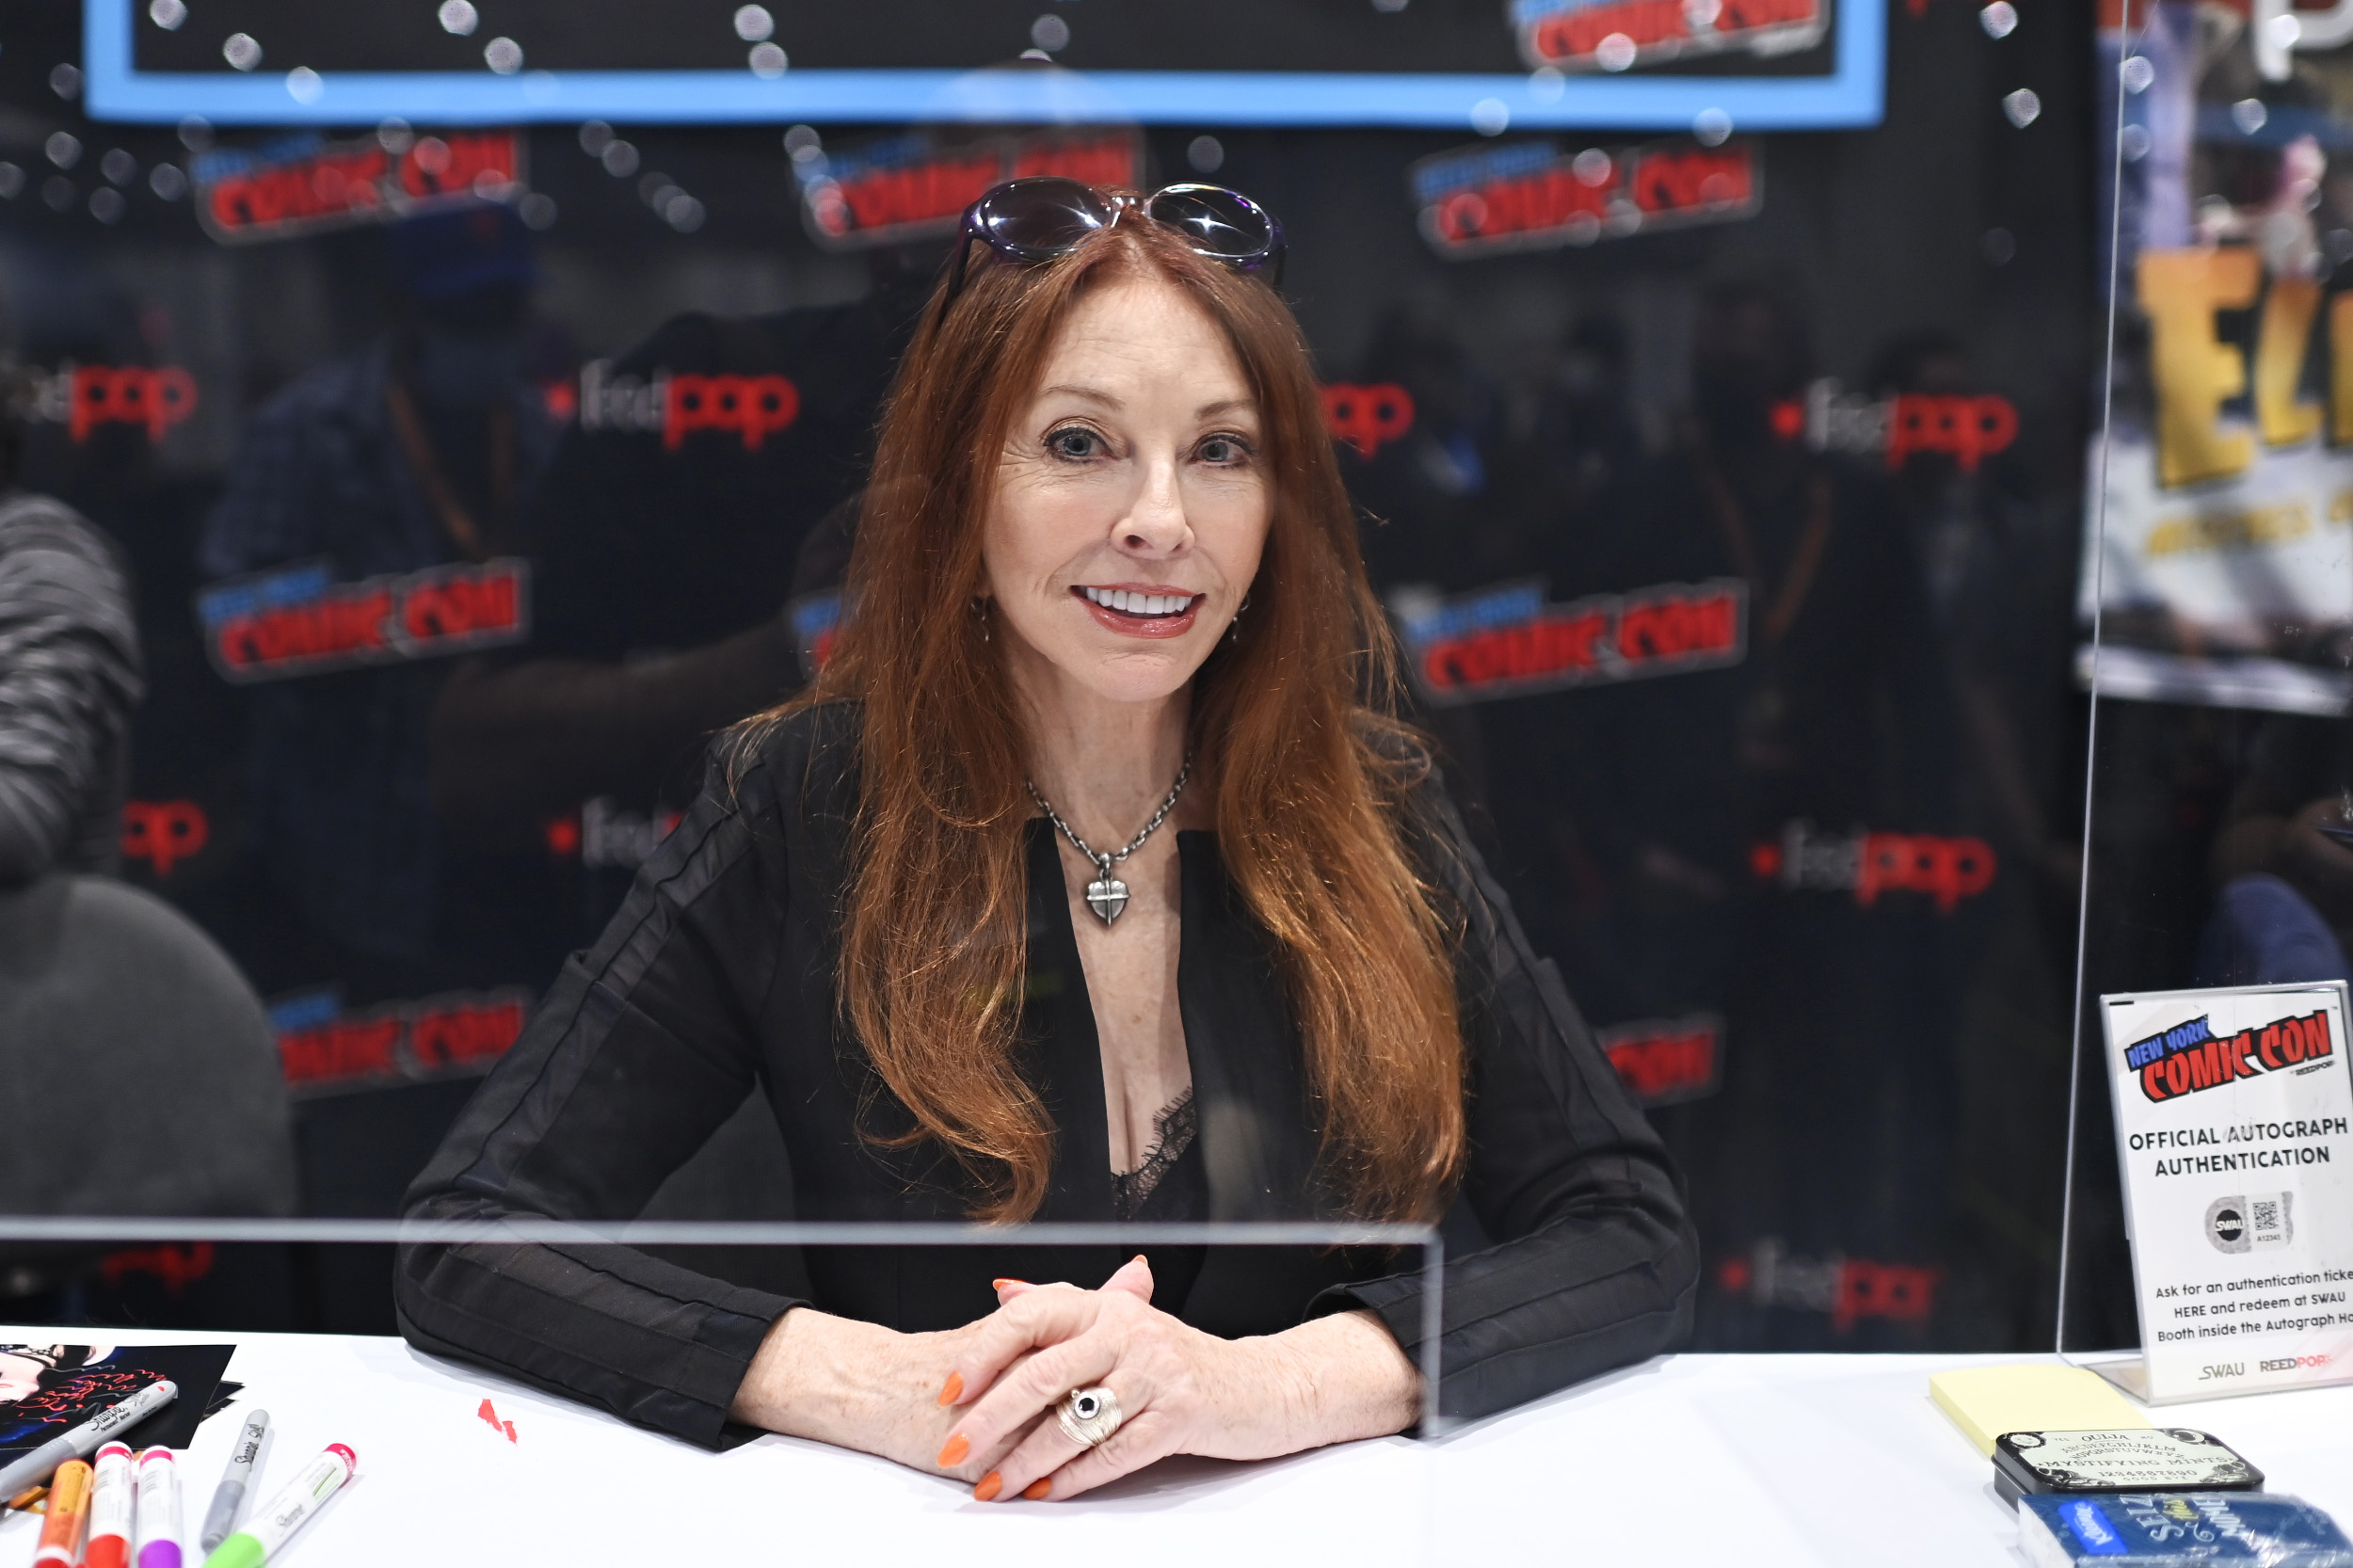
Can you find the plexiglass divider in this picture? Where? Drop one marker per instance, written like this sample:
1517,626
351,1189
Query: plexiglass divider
1401,1247
2111,50
2216,649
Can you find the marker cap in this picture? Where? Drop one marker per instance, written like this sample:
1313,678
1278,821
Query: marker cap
239,1551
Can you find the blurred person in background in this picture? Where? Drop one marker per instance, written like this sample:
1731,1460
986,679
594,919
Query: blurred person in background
413,453
1432,517
1993,568
2283,865
1686,835
70,676
665,550
102,985
1582,436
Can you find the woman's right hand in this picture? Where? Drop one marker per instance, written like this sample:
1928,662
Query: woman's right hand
853,1384
859,1385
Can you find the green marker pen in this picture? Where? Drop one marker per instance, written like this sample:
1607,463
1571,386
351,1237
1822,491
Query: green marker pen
272,1526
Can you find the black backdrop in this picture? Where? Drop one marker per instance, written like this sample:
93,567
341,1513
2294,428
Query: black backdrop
1873,1125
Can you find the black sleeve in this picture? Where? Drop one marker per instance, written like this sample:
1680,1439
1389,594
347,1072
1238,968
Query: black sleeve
1599,1266
512,743
642,1048
70,675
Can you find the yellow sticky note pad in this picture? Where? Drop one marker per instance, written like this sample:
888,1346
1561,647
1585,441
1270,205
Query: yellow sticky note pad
1987,1402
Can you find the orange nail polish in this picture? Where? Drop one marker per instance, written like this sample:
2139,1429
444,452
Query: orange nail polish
955,1453
1000,1284
1038,1489
990,1486
952,1390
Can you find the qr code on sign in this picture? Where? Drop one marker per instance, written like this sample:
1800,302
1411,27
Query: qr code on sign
2270,1218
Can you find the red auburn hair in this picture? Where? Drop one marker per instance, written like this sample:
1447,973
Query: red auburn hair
1294,736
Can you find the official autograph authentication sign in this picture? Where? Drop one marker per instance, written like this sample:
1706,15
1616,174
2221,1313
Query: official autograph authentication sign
2233,1117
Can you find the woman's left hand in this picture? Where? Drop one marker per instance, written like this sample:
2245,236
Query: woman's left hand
1179,1390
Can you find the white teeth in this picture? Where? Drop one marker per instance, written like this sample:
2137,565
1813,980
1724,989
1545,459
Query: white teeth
1138,604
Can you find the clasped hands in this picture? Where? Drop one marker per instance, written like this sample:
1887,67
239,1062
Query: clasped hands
978,1403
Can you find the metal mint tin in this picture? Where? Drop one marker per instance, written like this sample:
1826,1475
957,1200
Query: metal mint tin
2142,1459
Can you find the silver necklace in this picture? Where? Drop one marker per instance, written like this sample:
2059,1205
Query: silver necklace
1107,895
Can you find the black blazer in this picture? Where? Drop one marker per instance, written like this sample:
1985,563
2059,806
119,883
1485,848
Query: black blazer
717,978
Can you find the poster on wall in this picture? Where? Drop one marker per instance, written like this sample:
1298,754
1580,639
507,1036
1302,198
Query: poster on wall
2219,524
2234,1130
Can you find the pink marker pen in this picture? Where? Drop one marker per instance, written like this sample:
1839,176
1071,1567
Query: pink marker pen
158,1535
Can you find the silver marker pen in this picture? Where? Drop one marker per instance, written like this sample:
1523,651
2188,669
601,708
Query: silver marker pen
36,1466
221,1517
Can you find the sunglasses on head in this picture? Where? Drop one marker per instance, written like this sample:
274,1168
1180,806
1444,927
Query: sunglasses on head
1039,218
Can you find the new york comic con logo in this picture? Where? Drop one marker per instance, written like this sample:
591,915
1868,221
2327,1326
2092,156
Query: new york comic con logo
302,183
2189,1058
299,621
323,1048
916,185
1611,35
1536,196
1507,641
1666,1061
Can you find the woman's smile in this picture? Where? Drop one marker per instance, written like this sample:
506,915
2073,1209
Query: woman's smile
1140,609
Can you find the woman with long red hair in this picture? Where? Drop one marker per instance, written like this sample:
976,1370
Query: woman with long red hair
1095,879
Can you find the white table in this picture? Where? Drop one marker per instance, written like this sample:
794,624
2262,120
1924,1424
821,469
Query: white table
1692,1459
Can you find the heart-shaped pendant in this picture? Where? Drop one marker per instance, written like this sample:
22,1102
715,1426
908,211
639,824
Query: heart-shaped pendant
1107,896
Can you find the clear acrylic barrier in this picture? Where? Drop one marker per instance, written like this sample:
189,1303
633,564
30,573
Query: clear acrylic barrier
2216,609
175,1254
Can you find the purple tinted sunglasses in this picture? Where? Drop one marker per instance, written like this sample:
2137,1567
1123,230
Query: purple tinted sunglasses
1039,218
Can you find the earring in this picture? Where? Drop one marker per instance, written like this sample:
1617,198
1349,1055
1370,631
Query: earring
1233,628
980,612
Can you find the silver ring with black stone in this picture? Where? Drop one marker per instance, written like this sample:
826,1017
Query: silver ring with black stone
1088,1415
